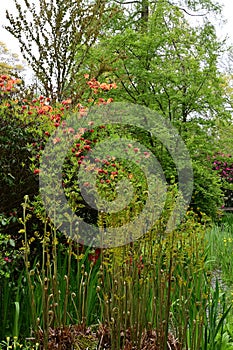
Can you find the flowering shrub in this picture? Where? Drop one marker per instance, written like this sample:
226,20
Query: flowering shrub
8,86
26,126
8,256
223,165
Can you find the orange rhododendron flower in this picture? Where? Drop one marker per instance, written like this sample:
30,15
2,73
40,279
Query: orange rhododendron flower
47,108
7,83
113,86
4,77
67,102
105,86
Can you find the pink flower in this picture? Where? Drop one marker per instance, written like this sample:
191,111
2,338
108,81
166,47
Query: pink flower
66,102
146,154
56,140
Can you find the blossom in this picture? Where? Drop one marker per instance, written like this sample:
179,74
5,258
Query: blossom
66,102
7,259
4,77
105,86
7,83
94,256
46,108
146,154
113,86
56,140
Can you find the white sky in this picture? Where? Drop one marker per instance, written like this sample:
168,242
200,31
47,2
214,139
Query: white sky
12,43
7,38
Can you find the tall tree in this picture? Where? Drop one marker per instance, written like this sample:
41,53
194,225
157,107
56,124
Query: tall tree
51,34
171,68
139,11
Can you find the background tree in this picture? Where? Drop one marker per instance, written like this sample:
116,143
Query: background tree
172,68
51,34
10,63
138,11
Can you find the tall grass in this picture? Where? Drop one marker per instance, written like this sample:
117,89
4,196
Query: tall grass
157,283
219,238
220,244
61,283
161,282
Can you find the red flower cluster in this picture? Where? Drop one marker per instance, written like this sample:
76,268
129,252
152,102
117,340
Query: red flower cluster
7,83
93,257
225,168
97,86
7,259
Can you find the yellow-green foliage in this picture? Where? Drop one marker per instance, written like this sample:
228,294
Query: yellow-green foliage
158,281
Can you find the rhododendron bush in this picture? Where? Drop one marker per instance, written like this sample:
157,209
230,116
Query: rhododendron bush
26,126
223,165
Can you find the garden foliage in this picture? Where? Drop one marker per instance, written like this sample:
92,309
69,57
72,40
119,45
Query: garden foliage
157,292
